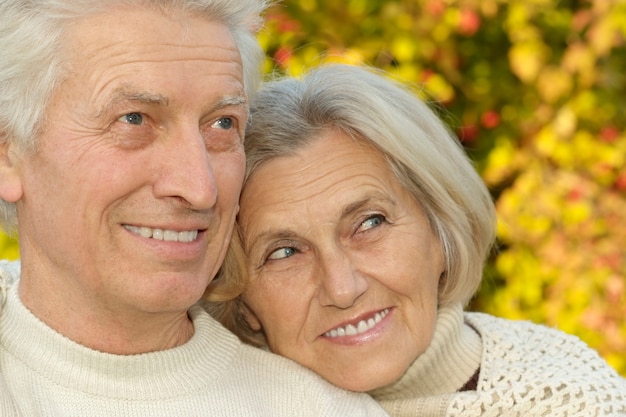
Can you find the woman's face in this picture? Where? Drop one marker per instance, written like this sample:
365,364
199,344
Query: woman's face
344,267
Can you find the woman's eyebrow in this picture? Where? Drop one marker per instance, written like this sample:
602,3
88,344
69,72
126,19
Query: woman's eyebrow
286,233
267,235
357,205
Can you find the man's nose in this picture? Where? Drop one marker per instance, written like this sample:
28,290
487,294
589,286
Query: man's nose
186,171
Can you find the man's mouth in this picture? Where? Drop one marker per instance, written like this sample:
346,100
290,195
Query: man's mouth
161,234
361,327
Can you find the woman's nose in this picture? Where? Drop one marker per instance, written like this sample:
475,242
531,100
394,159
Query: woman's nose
341,282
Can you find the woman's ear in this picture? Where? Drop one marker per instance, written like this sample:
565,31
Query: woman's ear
10,179
250,318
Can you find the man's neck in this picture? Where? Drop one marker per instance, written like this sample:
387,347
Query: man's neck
106,329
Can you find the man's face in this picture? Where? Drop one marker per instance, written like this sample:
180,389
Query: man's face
129,202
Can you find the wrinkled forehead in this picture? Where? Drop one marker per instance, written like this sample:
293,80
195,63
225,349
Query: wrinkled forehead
333,168
150,54
125,32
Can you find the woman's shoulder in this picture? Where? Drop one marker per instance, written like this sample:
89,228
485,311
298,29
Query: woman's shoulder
521,335
539,361
523,342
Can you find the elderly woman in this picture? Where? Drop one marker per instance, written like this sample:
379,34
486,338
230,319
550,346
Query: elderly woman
365,229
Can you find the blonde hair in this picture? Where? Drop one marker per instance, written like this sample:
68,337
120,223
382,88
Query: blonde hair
221,298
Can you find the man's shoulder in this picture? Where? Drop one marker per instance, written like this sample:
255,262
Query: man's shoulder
276,385
281,378
7,406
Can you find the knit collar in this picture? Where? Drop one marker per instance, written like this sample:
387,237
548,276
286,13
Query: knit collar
205,358
447,365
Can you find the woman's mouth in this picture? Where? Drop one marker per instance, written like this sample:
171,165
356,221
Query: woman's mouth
361,327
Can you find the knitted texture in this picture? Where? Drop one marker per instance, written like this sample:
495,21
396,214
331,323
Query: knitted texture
532,370
42,373
526,370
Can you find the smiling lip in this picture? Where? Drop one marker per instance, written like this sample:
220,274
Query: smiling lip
163,234
362,326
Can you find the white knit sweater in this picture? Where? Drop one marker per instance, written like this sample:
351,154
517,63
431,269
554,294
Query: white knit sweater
42,373
525,370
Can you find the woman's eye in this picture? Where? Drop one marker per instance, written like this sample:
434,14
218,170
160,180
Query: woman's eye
132,118
224,123
372,222
281,253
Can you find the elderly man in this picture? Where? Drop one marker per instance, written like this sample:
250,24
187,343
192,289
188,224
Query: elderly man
121,163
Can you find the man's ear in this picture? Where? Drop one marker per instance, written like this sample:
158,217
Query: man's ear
10,179
250,318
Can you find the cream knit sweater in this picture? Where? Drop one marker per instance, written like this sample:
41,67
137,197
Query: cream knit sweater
526,370
42,373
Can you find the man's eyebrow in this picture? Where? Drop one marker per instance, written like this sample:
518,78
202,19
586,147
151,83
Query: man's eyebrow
234,100
126,93
130,93
231,100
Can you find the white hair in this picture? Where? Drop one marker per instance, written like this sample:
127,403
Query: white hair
32,60
425,156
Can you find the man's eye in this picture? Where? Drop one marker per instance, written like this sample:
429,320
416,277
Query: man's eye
372,222
132,118
281,253
224,123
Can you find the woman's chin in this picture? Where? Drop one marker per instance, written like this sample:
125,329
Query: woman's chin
362,382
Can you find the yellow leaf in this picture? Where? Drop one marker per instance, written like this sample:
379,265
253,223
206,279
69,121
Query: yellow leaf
565,122
527,59
440,88
554,83
403,48
499,161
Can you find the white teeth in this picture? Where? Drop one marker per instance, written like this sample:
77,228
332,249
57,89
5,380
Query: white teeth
160,234
188,236
361,327
170,236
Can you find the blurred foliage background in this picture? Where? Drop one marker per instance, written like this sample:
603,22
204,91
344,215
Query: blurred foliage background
535,89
